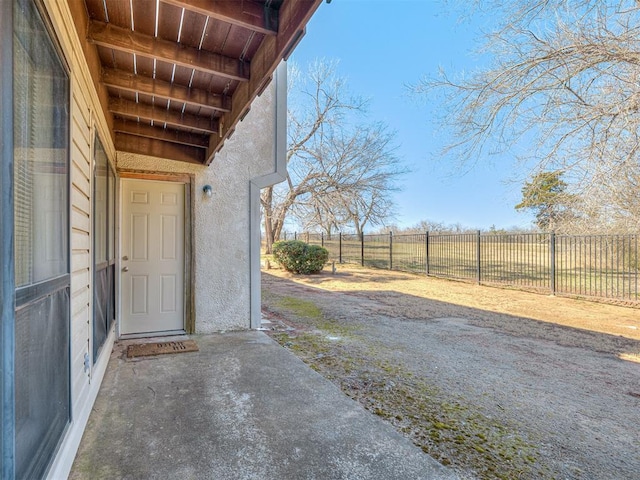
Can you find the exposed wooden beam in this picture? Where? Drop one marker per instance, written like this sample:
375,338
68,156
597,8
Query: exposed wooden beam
248,15
164,134
129,82
122,39
294,15
158,148
126,108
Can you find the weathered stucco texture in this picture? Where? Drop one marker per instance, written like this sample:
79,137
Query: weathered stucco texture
222,222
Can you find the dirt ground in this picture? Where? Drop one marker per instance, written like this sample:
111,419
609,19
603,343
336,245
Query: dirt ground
495,383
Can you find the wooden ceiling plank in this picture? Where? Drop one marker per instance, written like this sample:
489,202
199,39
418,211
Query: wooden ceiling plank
182,76
192,27
236,42
157,148
170,117
122,39
118,12
294,15
169,22
144,16
95,9
251,16
122,80
164,134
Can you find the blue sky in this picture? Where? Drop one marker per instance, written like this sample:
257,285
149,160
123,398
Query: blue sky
382,47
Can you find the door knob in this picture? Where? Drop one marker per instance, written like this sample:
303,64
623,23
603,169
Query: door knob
125,269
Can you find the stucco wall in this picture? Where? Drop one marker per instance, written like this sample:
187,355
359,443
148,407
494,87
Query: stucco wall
222,222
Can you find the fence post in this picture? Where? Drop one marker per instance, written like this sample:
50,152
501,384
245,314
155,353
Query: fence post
340,248
426,252
552,260
478,255
295,235
637,266
322,239
362,249
390,250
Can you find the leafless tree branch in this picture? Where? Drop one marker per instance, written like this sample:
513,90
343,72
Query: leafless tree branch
564,81
340,170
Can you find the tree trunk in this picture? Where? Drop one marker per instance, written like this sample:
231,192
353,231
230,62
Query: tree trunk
277,230
356,224
267,206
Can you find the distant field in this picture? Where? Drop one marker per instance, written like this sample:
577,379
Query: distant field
590,266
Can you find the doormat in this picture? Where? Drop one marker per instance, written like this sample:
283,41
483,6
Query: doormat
149,349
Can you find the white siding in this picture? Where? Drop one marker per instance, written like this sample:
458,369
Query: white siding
80,243
86,119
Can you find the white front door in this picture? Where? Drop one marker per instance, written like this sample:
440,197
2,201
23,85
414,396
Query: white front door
152,251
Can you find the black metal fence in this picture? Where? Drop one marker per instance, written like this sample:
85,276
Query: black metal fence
606,266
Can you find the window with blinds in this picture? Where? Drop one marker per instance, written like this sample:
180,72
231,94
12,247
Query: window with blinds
41,154
41,237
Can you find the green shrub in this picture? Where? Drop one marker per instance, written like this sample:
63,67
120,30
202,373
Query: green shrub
299,257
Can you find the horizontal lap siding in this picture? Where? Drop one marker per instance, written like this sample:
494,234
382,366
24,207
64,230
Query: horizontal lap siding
80,221
86,117
79,200
80,243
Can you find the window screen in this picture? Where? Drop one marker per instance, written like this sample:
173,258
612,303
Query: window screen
41,231
104,247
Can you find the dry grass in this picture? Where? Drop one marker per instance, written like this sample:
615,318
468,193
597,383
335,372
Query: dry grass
393,342
571,312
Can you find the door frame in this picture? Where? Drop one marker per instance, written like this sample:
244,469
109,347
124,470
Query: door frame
188,180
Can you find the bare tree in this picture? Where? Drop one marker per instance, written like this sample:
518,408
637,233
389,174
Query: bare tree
318,98
358,171
611,205
564,82
340,170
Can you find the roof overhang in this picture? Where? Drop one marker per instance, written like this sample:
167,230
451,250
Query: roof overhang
175,76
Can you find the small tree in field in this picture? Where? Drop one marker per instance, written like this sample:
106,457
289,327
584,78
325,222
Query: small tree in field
546,195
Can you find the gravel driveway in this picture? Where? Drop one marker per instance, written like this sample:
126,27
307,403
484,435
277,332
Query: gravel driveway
491,394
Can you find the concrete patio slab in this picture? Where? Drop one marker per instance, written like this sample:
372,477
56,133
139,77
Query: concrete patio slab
240,408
